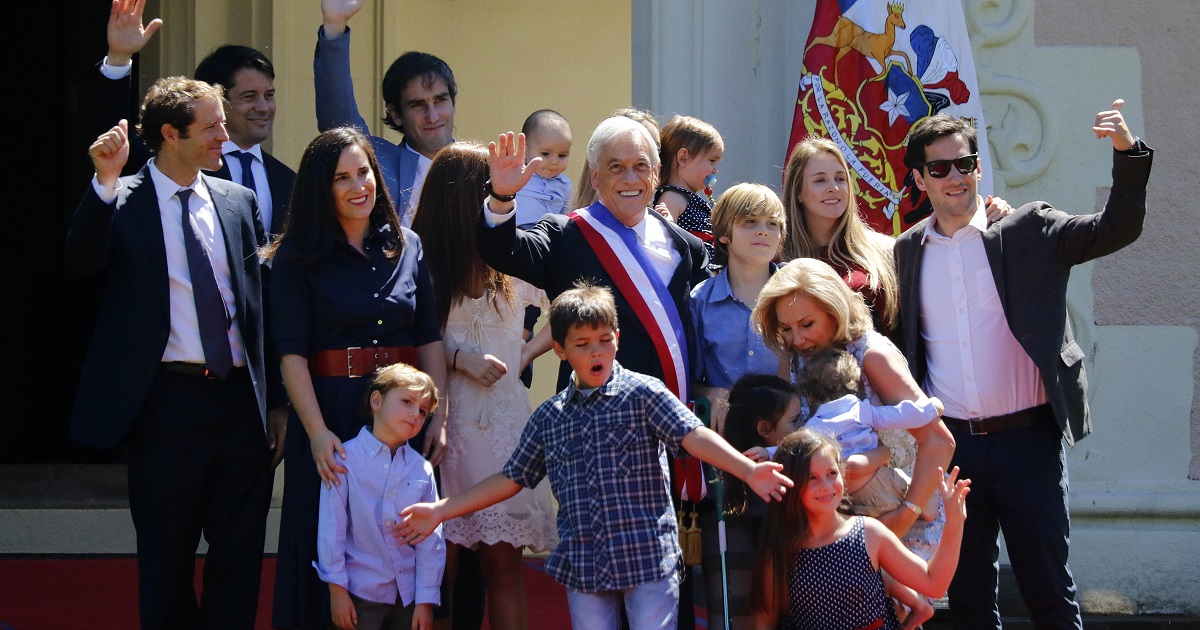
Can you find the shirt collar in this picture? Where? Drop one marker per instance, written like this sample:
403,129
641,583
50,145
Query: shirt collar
609,388
231,147
165,187
978,221
373,447
723,291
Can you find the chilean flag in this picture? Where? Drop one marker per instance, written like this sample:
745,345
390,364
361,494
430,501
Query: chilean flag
873,69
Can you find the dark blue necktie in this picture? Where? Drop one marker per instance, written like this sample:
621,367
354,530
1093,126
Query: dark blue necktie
247,159
211,316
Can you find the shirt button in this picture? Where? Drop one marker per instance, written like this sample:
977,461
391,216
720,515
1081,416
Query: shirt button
376,295
372,269
751,353
386,465
380,322
375,342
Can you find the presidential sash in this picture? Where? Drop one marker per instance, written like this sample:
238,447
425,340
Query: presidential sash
623,258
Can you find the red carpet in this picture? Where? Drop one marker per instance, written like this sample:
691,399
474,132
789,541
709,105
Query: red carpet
48,593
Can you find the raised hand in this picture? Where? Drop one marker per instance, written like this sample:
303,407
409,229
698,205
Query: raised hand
954,494
1111,124
996,209
326,448
506,161
336,14
109,153
126,35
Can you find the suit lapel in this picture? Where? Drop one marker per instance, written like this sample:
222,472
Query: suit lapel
993,244
142,202
228,219
683,272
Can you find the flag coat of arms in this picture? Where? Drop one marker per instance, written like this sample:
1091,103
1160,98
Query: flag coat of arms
872,70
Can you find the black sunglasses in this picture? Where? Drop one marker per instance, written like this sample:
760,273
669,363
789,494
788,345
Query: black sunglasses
941,168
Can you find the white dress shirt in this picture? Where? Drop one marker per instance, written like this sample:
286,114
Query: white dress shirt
976,367
183,344
423,164
258,169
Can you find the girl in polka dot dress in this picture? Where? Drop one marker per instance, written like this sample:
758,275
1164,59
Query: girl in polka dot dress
818,568
689,153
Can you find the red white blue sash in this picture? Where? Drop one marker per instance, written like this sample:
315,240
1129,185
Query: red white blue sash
623,258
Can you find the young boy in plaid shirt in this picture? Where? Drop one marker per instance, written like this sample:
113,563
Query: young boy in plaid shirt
604,441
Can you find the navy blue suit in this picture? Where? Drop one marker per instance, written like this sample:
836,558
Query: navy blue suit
198,456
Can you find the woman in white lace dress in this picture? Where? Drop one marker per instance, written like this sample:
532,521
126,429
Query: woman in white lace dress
482,315
806,307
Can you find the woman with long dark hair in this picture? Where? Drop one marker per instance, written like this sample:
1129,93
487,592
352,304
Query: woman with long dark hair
350,293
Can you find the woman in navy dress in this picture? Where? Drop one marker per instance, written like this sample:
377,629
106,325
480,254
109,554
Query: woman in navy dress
350,293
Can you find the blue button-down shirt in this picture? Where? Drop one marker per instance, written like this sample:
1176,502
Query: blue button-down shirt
355,548
605,452
727,346
542,196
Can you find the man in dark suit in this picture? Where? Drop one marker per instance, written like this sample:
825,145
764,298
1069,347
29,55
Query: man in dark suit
175,367
985,328
248,78
557,252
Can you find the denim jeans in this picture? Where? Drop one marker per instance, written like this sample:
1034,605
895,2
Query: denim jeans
648,606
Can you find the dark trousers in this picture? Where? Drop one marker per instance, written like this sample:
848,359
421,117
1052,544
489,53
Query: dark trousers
1018,487
199,464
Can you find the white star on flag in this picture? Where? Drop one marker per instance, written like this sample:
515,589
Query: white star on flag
894,106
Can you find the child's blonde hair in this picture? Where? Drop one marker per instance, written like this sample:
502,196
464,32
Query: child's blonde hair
744,201
685,132
403,375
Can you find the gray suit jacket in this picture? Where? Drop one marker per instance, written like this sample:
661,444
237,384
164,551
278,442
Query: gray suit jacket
1031,253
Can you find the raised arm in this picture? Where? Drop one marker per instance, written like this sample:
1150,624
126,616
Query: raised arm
114,85
89,239
334,87
934,577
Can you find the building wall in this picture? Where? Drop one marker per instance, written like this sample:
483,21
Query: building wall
1045,69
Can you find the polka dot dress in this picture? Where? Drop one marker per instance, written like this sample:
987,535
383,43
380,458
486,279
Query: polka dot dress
696,218
835,588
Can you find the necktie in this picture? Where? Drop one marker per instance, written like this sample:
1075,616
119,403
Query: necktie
211,316
247,159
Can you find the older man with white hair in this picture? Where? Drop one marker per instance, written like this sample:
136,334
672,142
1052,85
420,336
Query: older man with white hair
650,263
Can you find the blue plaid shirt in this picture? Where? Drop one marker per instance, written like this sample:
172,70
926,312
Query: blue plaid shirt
606,455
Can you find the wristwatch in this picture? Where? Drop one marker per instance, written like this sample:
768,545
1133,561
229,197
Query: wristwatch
487,187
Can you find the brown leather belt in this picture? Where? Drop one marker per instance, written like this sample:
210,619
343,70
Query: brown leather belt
995,424
356,362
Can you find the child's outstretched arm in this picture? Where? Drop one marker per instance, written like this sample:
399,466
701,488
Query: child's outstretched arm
420,519
764,478
930,579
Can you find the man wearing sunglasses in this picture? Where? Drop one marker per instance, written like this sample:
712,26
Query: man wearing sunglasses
984,323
